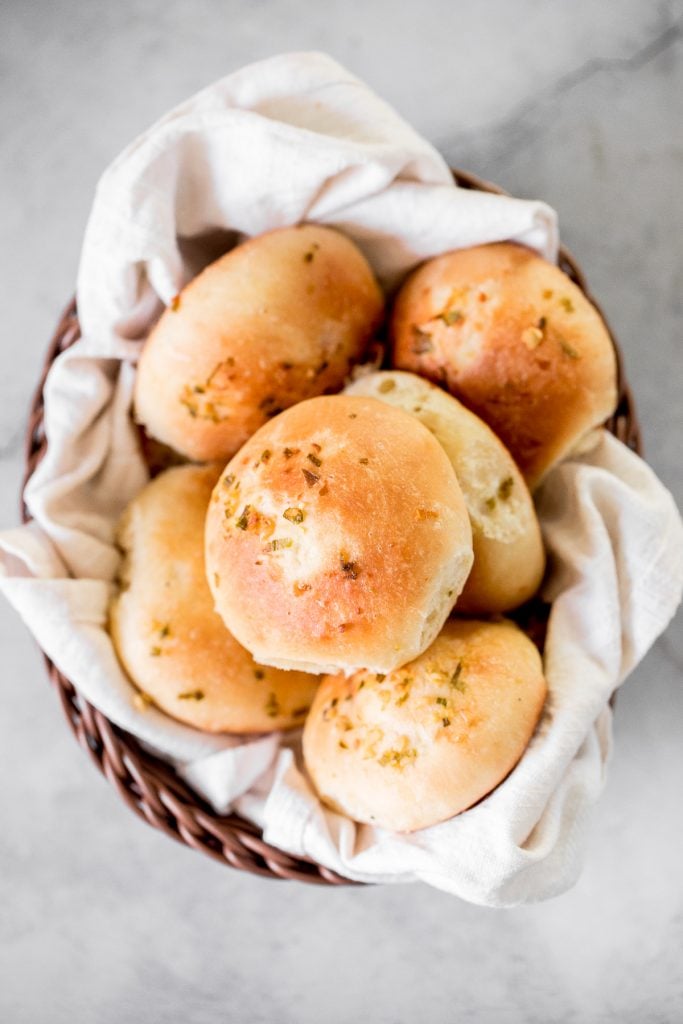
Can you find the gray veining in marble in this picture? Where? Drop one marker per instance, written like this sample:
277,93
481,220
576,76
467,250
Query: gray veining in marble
104,920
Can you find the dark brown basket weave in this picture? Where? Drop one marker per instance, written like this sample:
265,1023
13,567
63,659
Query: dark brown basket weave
148,785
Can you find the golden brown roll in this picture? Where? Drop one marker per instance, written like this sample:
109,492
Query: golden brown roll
166,633
338,538
508,550
278,319
412,748
512,337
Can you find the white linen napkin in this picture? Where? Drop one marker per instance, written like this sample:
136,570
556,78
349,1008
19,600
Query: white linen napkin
298,138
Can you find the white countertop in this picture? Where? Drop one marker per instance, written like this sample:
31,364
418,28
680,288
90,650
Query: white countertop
105,920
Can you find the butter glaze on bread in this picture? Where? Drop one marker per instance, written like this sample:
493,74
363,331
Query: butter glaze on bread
508,550
280,318
338,538
511,336
171,642
415,747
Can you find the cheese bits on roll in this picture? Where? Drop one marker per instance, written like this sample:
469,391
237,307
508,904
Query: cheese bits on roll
416,746
512,337
278,319
338,538
173,645
508,550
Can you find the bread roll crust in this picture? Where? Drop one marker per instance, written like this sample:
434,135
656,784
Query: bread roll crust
509,557
173,645
415,747
338,538
512,337
279,318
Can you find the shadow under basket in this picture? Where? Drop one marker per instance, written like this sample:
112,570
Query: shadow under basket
148,785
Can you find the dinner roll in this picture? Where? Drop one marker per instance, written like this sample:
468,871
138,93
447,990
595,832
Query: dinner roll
508,551
278,319
412,748
166,633
512,337
338,538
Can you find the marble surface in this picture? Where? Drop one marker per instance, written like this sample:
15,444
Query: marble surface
105,920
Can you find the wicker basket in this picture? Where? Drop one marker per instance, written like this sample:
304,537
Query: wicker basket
148,785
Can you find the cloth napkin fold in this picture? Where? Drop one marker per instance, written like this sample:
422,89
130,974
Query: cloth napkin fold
289,139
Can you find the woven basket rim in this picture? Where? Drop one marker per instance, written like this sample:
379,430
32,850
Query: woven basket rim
149,786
